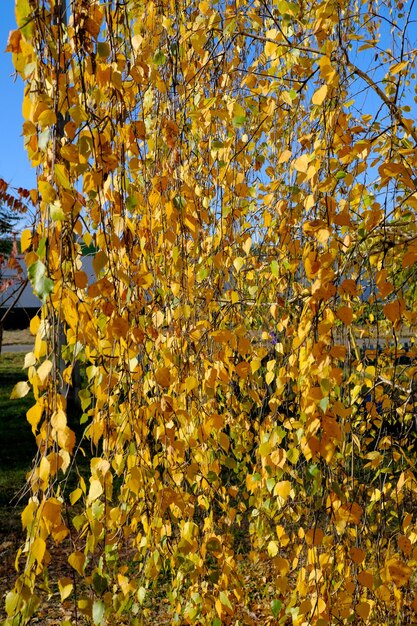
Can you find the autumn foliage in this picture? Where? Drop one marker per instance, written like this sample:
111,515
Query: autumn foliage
243,174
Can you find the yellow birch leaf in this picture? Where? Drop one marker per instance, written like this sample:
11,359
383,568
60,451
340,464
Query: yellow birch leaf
38,548
273,548
278,457
59,420
13,601
301,164
80,279
20,390
77,560
95,491
285,156
30,359
269,377
61,175
320,95
282,565
65,586
44,370
34,324
191,383
238,263
224,599
66,439
282,489
47,118
255,364
247,245
224,441
219,607
44,469
52,511
25,240
327,71
397,67
75,495
350,513
28,513
322,235
34,414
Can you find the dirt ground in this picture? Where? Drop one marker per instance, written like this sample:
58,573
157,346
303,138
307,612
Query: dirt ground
17,337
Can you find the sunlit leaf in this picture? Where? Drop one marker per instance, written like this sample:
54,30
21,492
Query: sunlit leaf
20,390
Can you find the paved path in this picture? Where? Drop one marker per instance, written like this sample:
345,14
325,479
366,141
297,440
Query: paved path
17,347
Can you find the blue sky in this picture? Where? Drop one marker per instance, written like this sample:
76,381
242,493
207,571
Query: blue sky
14,164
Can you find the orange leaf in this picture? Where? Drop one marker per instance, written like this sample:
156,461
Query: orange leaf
363,609
394,310
357,555
366,579
243,369
345,314
399,572
163,377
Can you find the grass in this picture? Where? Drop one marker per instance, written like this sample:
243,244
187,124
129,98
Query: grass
17,337
17,443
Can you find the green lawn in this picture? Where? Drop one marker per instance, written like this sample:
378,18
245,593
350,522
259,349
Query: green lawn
17,443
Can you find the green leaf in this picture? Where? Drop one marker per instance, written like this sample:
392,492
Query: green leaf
100,583
293,455
13,600
225,600
270,484
179,203
159,58
24,20
131,203
103,49
313,470
41,284
239,120
340,175
141,594
276,606
98,612
61,175
275,268
57,214
324,403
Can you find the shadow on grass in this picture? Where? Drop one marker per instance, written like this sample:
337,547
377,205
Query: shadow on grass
17,443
